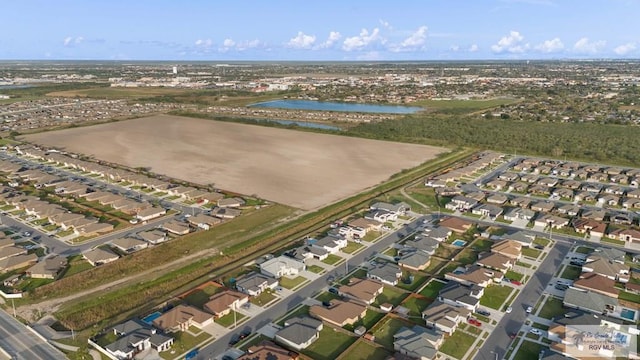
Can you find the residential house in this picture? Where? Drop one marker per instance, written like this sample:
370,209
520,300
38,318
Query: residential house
498,199
48,268
608,263
522,237
571,184
129,244
626,235
99,256
631,203
225,213
254,284
487,210
563,193
459,295
387,273
461,203
509,248
299,332
496,261
222,303
308,252
477,195
474,275
542,206
435,183
268,351
281,266
134,336
417,342
521,201
444,317
439,233
414,260
497,185
150,213
93,229
427,245
362,290
381,215
17,262
181,318
635,194
529,178
568,209
548,182
456,224
154,236
548,220
331,244
591,227
622,218
609,200
508,176
176,227
594,214
366,224
590,301
597,283
399,208
232,202
340,313
519,187
9,251
519,214
203,221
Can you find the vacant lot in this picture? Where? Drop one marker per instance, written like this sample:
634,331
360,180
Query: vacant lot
301,169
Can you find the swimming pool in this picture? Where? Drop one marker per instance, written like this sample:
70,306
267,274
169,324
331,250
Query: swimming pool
628,314
149,318
459,243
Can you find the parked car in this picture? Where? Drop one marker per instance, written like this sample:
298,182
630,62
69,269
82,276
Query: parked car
26,233
234,340
326,303
513,335
561,287
529,309
535,331
509,310
516,282
245,333
505,279
539,247
333,290
483,312
474,322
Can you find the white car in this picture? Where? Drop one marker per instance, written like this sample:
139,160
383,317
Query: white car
529,309
509,309
535,331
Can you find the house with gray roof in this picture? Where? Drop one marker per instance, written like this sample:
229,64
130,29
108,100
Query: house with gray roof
589,301
522,237
47,268
300,333
488,210
425,244
99,256
281,266
519,213
399,208
254,284
417,342
457,294
387,273
134,336
154,236
414,260
129,244
439,233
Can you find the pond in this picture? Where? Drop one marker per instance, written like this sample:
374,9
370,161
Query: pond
337,106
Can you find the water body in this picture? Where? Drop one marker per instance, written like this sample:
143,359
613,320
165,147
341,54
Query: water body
337,106
301,124
8,87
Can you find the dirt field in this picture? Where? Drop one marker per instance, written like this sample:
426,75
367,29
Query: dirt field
300,169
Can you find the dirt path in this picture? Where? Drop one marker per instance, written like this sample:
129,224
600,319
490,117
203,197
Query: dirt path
33,312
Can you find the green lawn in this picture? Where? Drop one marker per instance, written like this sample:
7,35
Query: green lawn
390,295
612,241
419,279
583,250
541,241
571,272
264,298
329,345
552,308
365,350
416,305
467,256
315,269
387,328
623,295
331,259
528,350
200,297
352,247
184,342
289,283
372,235
327,296
30,284
530,252
229,319
494,296
457,344
434,264
432,289
78,264
482,245
514,275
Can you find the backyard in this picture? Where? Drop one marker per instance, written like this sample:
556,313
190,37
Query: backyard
385,330
528,350
329,345
365,350
183,342
432,289
390,295
457,344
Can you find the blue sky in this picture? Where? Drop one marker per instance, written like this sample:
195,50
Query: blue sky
319,30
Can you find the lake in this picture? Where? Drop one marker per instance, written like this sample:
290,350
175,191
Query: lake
337,106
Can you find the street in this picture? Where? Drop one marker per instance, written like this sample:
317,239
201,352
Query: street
23,344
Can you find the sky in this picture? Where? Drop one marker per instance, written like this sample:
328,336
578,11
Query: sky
319,30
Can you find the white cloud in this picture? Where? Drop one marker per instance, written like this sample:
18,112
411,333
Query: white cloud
333,37
415,40
70,40
454,48
385,24
248,44
361,41
206,43
301,41
473,48
550,46
585,46
512,43
624,49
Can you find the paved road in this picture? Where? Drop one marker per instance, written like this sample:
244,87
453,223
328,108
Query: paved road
499,340
22,344
283,306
